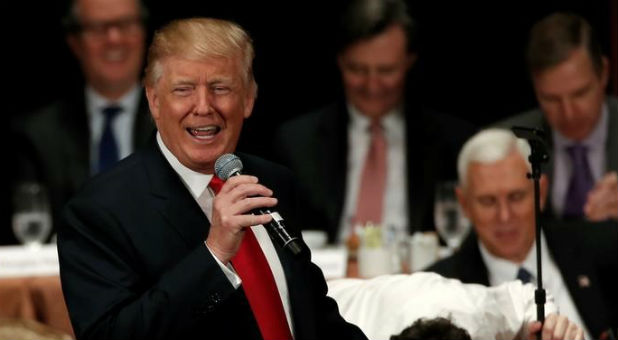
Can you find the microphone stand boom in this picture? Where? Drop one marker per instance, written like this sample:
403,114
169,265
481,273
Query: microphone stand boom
538,155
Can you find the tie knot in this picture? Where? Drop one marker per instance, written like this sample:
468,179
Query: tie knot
111,111
375,126
216,183
577,151
524,275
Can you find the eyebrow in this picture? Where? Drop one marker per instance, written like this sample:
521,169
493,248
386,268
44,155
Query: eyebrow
183,82
221,79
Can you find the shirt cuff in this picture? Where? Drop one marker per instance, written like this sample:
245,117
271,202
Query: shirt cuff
228,270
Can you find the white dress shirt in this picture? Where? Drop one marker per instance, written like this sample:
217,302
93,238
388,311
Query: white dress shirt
395,210
197,183
501,270
386,305
122,125
563,168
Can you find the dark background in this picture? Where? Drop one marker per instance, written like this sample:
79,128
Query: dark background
470,63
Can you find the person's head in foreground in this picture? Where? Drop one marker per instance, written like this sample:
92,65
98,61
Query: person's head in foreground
432,329
200,88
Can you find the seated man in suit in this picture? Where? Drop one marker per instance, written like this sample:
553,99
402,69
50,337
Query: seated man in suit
579,264
385,305
98,122
375,155
570,75
159,248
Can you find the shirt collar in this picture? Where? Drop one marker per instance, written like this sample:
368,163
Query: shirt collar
97,102
390,120
596,138
501,270
196,182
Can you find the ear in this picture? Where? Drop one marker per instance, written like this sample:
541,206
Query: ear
250,100
340,61
604,71
463,200
544,188
75,45
153,101
411,60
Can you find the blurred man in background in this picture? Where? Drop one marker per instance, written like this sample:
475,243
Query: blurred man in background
579,264
375,155
104,120
570,76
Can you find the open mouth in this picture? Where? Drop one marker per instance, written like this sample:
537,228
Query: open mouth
116,55
204,133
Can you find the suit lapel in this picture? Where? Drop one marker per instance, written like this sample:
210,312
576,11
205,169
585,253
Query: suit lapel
612,135
144,126
471,267
172,199
579,277
333,145
76,146
421,173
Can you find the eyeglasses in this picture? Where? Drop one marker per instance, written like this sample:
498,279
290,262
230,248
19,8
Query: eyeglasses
129,25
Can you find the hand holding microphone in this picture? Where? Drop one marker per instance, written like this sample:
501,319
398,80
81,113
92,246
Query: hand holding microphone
231,213
241,203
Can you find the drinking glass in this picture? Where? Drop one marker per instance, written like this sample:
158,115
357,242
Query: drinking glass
451,223
31,214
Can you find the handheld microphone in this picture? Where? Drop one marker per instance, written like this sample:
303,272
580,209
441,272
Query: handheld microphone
228,165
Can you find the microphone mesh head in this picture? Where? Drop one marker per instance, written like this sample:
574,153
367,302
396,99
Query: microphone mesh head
227,165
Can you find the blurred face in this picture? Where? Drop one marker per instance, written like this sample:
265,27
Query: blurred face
199,107
110,45
571,94
374,72
499,200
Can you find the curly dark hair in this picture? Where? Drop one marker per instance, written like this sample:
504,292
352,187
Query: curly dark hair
433,329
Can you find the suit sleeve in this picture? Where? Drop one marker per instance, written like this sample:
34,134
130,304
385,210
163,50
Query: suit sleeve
108,295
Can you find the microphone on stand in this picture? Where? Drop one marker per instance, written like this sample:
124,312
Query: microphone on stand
228,165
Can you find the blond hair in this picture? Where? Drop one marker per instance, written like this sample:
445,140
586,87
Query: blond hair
198,39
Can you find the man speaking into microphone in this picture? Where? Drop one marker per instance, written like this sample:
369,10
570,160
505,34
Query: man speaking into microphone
159,248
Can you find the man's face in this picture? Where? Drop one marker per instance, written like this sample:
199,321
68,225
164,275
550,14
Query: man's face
110,45
499,200
199,107
374,71
571,94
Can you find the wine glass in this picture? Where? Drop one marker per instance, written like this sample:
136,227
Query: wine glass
31,214
451,223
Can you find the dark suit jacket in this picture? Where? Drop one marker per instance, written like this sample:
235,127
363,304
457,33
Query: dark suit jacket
536,119
59,136
579,251
315,146
134,266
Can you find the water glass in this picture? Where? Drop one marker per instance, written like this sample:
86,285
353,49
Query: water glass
451,223
31,214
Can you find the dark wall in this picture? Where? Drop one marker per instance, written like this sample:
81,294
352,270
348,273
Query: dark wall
471,61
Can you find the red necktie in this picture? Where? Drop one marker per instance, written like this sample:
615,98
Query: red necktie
259,284
373,180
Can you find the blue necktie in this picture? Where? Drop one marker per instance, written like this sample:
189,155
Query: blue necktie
108,148
523,275
581,181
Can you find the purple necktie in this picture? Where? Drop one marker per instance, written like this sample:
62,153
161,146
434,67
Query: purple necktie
581,181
